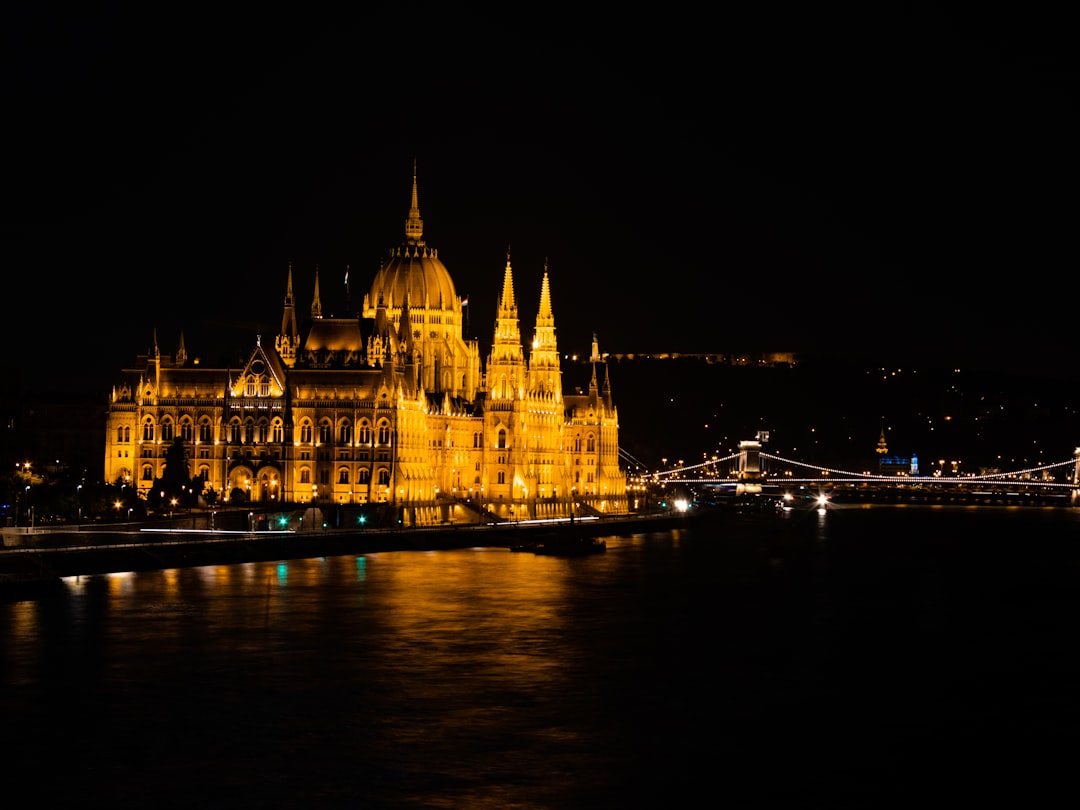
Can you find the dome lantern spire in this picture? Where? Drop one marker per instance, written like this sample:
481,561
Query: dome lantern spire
414,226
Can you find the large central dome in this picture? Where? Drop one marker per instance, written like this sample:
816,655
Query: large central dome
413,272
414,294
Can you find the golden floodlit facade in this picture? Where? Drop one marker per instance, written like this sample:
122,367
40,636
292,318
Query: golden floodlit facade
391,407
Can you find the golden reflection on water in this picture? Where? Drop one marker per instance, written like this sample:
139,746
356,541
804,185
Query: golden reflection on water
484,678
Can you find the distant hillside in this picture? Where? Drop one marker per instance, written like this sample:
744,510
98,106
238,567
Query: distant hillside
833,414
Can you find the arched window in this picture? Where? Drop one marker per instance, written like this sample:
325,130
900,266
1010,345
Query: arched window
127,435
325,432
384,433
187,432
345,436
261,431
363,476
206,433
591,441
384,477
166,430
502,439
120,435
478,440
363,433
305,432
234,431
147,473
277,432
148,430
305,476
502,476
343,475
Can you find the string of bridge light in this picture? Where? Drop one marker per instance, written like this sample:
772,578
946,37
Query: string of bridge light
983,477
887,479
680,472
827,470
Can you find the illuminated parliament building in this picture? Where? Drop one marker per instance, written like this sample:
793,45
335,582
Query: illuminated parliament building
391,407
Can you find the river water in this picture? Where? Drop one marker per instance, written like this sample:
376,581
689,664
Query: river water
860,657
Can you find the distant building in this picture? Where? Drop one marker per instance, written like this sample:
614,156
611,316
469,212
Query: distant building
390,406
894,464
898,465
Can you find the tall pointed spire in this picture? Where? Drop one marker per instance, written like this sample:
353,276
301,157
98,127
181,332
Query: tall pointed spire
288,317
545,296
405,335
506,362
288,338
544,376
414,226
316,304
506,298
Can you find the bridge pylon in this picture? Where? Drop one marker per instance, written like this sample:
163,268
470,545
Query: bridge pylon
1075,499
749,481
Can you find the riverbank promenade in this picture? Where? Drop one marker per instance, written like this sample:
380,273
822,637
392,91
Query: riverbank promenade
56,553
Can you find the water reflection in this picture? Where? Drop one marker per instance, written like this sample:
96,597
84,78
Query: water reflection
672,664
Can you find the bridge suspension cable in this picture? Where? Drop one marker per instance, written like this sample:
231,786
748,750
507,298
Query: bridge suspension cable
629,459
678,472
870,477
1021,477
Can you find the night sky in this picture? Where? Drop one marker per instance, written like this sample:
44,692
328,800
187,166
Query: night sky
900,186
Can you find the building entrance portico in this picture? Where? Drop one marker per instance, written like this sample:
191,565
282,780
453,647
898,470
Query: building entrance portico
246,484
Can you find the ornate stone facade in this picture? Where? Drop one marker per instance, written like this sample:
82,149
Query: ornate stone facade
392,406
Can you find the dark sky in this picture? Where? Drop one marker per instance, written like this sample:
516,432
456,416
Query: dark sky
900,186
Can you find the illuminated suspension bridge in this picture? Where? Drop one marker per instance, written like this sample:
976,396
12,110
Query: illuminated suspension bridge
750,470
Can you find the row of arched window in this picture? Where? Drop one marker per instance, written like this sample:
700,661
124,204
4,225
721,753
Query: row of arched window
251,432
363,476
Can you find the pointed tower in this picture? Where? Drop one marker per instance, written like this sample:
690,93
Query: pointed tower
544,470
544,373
157,365
181,351
506,362
288,338
316,304
407,353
